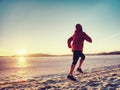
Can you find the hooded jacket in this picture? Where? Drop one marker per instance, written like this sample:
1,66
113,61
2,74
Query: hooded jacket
76,42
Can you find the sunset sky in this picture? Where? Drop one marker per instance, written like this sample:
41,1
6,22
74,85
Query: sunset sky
43,26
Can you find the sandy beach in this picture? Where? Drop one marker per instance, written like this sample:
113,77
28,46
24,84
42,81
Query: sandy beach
104,78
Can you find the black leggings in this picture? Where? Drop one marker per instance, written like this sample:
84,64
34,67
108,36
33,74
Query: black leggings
76,55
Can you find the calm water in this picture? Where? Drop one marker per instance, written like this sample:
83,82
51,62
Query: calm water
32,66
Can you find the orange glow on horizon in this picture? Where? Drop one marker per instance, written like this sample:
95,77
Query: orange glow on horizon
21,52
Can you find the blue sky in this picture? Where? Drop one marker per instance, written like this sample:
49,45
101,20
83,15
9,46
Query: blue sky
45,25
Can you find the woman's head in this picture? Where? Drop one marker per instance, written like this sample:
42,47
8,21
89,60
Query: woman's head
78,28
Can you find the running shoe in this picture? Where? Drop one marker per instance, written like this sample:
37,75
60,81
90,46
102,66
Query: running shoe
79,70
71,77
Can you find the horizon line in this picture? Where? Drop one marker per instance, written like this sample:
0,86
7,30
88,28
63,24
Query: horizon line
47,54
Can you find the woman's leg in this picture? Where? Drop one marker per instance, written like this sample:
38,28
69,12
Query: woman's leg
72,69
75,59
80,63
82,60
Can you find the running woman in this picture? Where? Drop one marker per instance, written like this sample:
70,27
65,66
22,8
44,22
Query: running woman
76,43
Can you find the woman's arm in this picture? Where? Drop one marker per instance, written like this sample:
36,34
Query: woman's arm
69,41
87,38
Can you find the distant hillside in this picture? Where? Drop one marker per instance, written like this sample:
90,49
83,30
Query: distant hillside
35,55
39,55
103,53
109,53
49,55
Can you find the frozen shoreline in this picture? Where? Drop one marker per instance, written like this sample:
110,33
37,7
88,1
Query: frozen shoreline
99,78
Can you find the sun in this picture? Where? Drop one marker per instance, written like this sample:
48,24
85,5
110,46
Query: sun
21,52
